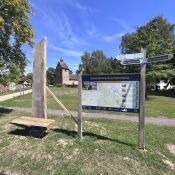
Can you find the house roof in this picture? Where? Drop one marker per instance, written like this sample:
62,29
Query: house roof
73,77
62,64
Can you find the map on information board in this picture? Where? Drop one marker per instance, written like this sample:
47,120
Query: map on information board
118,92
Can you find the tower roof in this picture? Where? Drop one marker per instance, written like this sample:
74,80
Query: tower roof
62,64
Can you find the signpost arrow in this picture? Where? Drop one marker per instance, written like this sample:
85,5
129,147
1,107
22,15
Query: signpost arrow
131,61
158,58
130,56
135,58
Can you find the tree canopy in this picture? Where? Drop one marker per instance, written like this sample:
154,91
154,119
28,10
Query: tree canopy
51,75
95,63
12,75
29,78
158,38
98,63
15,32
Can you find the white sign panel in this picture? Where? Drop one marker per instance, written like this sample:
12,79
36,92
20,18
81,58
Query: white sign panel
130,56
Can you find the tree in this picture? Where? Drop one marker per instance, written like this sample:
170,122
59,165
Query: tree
15,31
97,63
51,74
158,38
11,75
94,63
14,74
115,66
29,78
4,79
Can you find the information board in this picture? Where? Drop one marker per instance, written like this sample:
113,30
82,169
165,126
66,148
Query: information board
118,92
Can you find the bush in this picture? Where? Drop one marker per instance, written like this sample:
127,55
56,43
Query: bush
58,85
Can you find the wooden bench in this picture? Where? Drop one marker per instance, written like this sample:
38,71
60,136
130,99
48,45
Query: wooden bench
33,122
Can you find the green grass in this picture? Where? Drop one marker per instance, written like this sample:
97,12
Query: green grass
68,96
108,147
159,104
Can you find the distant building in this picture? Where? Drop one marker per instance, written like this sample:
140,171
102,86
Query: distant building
63,75
162,85
12,86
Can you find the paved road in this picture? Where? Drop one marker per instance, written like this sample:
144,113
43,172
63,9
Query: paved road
9,96
152,120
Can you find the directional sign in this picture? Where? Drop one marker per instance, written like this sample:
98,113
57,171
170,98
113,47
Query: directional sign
126,59
133,61
130,56
158,58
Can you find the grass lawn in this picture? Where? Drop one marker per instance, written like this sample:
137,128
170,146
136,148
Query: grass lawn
157,104
108,147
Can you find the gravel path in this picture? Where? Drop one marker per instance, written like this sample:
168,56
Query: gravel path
9,96
152,120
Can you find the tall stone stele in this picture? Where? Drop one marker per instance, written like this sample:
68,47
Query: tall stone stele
39,103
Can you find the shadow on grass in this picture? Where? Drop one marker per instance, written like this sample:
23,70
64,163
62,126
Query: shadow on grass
93,135
4,111
29,132
169,93
3,173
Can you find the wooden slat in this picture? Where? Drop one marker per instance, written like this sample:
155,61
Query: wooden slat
61,104
33,121
80,105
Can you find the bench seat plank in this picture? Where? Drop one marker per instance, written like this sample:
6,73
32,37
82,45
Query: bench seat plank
33,121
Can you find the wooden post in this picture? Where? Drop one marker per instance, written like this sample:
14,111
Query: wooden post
23,89
39,104
141,143
20,89
80,105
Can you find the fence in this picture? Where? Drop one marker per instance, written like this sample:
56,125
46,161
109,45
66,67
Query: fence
20,87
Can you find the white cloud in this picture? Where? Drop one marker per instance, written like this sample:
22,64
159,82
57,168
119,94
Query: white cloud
61,26
68,35
66,52
92,31
112,38
74,67
77,5
81,7
121,23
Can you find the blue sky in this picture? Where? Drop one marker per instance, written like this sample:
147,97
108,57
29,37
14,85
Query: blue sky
75,26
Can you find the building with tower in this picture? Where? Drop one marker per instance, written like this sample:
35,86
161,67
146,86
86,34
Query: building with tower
64,76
